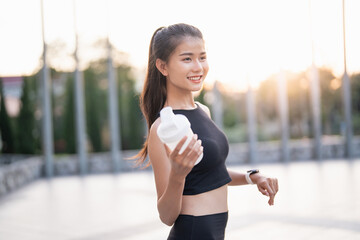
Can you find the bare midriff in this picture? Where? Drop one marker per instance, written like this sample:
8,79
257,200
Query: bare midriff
212,202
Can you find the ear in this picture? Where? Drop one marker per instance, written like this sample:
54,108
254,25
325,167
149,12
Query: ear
161,66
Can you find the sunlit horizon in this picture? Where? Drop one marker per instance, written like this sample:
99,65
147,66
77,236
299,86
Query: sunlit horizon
246,41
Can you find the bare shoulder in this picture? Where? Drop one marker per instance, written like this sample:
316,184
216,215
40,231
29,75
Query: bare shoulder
153,137
204,108
158,159
155,125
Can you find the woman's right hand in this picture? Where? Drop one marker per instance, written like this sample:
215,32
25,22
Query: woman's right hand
182,164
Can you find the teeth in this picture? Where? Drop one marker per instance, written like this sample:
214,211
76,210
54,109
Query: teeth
194,78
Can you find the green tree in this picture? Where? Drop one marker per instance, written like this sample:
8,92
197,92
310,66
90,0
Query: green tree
26,123
131,122
69,121
331,102
59,95
201,97
355,95
266,109
7,137
298,92
229,105
94,107
266,100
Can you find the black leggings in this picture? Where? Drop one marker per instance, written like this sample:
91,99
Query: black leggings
208,227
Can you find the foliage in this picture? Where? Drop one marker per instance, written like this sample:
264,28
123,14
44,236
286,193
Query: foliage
355,94
331,103
69,117
26,122
298,95
7,137
132,124
299,107
266,100
95,107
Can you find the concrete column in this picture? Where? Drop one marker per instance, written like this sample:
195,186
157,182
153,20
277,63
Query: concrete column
116,155
284,116
251,124
347,115
316,111
79,109
217,106
47,128
346,86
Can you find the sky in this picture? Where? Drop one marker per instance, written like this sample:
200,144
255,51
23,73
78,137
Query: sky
246,40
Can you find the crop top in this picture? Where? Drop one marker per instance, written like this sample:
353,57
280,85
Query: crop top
210,173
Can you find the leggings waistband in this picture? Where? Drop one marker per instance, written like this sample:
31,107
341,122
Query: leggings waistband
207,215
209,227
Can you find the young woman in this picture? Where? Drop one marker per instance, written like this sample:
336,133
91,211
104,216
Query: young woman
191,198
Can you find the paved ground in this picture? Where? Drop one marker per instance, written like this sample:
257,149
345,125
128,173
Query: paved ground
315,201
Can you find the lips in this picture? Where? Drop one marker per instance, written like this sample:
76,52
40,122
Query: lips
195,78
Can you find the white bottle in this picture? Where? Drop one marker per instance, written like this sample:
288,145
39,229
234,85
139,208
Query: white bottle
173,128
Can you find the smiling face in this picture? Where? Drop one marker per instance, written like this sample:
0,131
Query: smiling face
187,66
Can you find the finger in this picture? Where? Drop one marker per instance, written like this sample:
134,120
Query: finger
195,152
189,146
263,191
178,146
167,149
273,186
274,189
276,185
269,189
271,193
271,199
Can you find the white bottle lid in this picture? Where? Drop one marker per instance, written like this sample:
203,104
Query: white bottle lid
172,127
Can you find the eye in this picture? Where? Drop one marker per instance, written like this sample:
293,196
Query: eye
188,59
203,58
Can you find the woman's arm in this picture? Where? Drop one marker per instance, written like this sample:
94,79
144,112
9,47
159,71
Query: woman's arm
170,170
237,178
267,186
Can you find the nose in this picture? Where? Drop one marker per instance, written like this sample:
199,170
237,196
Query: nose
197,67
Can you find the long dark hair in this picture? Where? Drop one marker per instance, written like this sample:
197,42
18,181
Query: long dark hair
153,97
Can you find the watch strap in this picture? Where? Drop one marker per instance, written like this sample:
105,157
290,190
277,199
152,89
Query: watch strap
248,179
250,172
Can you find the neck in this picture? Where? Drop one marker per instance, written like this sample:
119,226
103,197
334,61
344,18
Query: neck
179,99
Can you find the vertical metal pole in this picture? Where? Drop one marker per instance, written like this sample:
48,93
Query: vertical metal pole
218,106
79,108
284,116
47,130
251,124
346,85
315,95
116,155
316,110
348,115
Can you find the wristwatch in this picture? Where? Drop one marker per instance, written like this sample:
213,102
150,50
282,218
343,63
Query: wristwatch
250,172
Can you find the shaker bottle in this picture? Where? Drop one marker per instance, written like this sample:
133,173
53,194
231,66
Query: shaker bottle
173,128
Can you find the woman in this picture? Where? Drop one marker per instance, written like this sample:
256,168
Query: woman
192,199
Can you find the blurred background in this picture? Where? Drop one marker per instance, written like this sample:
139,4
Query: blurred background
284,86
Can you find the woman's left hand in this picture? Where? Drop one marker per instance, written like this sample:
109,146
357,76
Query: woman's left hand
268,187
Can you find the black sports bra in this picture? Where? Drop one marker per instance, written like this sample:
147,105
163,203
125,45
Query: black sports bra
211,172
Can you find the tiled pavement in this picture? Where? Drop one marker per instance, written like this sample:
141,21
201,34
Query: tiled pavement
315,201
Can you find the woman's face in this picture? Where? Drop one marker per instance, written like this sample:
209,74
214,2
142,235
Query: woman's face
187,66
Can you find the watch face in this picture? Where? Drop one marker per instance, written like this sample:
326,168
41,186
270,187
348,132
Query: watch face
253,171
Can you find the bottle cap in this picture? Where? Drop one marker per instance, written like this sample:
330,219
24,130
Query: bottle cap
172,127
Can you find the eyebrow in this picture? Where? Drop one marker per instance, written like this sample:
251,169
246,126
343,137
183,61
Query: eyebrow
190,54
